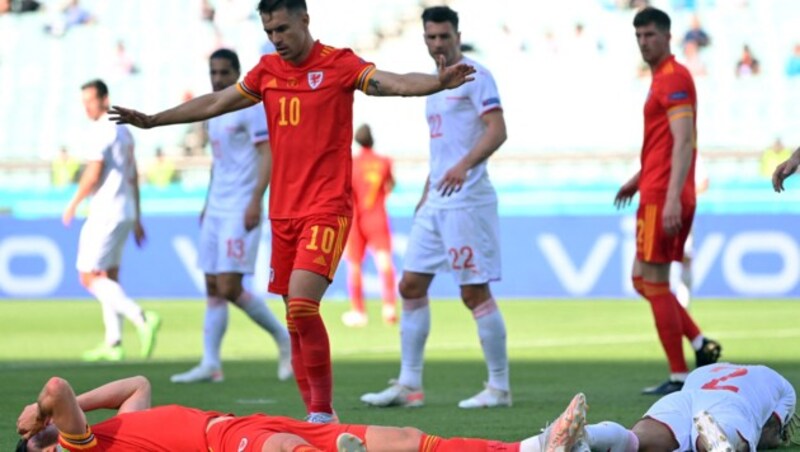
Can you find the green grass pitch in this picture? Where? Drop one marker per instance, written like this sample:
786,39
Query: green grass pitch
606,349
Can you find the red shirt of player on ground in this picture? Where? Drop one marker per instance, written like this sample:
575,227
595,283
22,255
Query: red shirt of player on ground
672,96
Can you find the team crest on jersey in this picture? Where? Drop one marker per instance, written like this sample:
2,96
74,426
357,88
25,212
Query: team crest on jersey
242,444
315,79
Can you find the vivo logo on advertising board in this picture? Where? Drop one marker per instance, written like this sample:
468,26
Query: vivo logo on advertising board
566,256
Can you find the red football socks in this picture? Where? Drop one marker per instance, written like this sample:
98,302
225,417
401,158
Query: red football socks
315,352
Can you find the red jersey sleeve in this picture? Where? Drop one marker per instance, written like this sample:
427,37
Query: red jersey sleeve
676,90
250,87
357,72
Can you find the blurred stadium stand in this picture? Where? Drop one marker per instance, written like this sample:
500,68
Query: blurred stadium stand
573,106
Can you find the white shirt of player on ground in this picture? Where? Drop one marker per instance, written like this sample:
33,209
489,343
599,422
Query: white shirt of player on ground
764,390
113,145
454,120
233,137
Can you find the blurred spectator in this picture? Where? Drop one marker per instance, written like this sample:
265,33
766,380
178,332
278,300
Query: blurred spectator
691,55
696,34
123,63
161,171
748,64
206,11
774,156
71,14
19,6
64,169
793,65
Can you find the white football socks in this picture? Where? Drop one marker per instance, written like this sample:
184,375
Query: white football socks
215,324
258,311
111,295
611,436
415,324
492,333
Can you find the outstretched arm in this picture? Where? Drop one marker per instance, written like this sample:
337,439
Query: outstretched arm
385,83
197,109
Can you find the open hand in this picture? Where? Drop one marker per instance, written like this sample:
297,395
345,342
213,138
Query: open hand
625,194
453,180
455,75
127,116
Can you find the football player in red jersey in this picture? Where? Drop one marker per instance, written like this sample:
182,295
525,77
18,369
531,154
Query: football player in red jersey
372,183
667,197
307,91
58,417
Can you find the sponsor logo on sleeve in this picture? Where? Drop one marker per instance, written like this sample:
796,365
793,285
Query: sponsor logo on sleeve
679,95
491,101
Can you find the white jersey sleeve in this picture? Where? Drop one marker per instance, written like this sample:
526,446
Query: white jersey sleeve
257,124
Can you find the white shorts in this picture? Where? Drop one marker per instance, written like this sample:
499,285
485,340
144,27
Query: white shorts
226,247
677,411
463,241
101,243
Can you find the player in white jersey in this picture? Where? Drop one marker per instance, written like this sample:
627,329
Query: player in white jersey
231,225
111,178
721,408
456,224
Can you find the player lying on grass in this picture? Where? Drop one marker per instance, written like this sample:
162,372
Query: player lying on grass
57,419
723,407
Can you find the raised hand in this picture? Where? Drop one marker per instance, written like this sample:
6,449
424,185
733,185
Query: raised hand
128,116
455,75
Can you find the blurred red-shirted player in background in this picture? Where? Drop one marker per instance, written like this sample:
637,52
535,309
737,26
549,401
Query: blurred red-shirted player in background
372,183
667,196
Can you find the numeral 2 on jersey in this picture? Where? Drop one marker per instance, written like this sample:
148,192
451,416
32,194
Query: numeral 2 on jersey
435,123
716,384
293,115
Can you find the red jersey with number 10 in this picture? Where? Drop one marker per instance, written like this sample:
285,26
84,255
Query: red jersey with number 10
310,116
672,96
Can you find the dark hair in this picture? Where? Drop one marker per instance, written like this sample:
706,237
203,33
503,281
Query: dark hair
99,86
440,14
270,6
652,15
227,54
22,445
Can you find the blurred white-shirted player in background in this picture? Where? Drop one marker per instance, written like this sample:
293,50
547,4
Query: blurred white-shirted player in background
230,229
456,225
110,177
721,408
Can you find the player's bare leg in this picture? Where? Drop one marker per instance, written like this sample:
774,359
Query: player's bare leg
311,355
415,325
492,333
383,262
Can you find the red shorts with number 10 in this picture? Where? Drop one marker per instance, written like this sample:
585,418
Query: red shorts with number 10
314,243
652,243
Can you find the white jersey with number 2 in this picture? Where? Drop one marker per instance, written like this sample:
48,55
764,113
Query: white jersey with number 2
454,121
